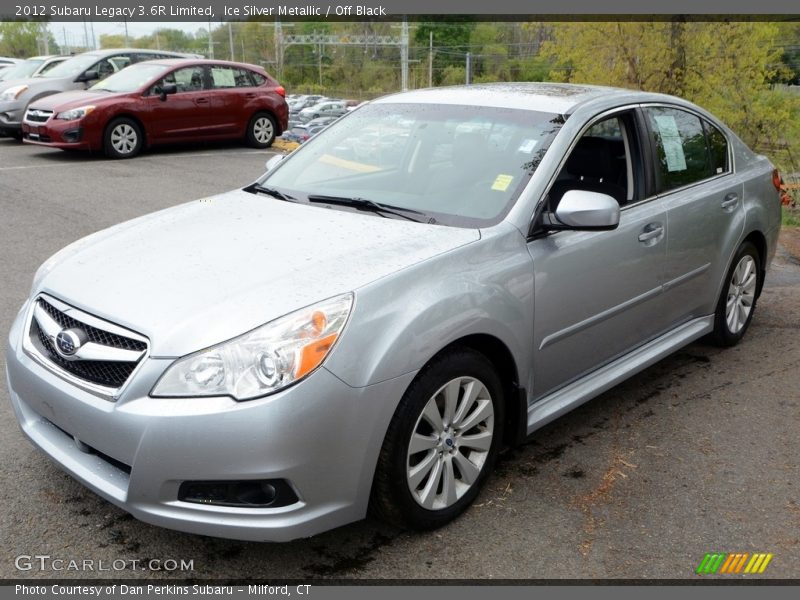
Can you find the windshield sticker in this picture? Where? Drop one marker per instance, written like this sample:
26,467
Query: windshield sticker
527,146
502,182
671,141
223,78
350,165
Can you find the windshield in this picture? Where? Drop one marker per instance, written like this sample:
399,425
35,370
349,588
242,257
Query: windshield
21,71
72,67
457,165
131,79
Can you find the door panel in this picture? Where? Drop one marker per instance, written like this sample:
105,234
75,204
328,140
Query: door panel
705,223
185,114
227,100
597,294
703,199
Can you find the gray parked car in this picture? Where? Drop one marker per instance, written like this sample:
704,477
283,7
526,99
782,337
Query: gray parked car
32,67
365,330
78,73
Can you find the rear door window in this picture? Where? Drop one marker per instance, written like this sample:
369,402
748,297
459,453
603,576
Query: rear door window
682,154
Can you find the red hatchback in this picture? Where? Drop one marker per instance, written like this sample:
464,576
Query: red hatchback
160,102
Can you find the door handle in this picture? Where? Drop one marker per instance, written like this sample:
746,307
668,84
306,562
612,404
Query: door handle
651,232
202,101
730,201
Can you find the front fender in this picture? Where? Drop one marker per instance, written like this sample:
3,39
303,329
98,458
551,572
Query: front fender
400,322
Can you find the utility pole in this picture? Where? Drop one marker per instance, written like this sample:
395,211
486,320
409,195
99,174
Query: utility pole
319,59
230,39
469,68
127,43
85,35
404,55
45,32
66,45
279,48
210,42
430,61
94,39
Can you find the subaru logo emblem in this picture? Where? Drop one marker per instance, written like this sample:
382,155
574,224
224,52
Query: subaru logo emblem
69,341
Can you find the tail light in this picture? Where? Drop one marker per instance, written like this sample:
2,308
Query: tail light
281,91
777,181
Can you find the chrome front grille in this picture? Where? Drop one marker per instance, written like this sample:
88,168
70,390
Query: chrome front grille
38,115
89,351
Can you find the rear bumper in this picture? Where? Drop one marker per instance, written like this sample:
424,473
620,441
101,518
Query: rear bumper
321,435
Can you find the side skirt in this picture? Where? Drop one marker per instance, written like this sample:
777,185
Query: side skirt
565,399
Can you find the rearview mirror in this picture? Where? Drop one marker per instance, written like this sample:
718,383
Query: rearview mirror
581,209
273,162
166,89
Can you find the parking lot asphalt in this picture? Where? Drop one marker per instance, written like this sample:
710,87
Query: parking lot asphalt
697,454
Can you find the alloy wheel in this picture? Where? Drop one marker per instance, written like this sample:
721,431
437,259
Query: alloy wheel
741,294
450,443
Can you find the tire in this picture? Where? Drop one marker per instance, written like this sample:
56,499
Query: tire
429,487
261,130
737,300
123,138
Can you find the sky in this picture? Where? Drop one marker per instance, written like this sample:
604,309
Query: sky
74,31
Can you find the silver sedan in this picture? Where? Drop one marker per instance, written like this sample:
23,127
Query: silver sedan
433,277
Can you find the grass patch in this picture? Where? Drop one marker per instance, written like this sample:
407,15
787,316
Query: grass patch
791,217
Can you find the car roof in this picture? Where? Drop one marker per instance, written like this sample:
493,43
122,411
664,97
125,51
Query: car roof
177,62
111,51
547,97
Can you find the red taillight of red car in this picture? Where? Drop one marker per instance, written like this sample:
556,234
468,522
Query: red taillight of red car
281,91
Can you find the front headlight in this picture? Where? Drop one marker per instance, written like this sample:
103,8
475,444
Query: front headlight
13,93
75,113
262,361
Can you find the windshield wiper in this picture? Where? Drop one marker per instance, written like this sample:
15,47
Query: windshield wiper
368,205
271,192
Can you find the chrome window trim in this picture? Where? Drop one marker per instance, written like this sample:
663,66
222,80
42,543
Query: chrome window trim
107,393
627,107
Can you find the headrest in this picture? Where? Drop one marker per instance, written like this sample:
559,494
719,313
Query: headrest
591,157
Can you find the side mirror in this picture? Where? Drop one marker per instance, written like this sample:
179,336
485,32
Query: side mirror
581,209
89,75
166,89
273,162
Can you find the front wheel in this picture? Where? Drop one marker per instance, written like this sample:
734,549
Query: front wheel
261,131
737,301
123,138
441,443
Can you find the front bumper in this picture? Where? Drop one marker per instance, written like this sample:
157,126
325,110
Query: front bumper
320,435
67,135
11,114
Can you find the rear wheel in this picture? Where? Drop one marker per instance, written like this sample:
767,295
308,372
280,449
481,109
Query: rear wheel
441,443
261,131
123,138
737,301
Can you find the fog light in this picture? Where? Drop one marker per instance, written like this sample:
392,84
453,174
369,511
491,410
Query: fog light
73,135
266,493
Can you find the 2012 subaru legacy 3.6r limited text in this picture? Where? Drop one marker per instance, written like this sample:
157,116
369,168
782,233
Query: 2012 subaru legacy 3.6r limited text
434,276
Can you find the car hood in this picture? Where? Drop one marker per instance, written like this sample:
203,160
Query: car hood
72,99
197,274
37,84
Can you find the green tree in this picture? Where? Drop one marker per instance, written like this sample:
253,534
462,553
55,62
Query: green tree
21,39
725,67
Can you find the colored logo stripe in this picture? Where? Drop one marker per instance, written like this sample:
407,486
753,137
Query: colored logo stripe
725,563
